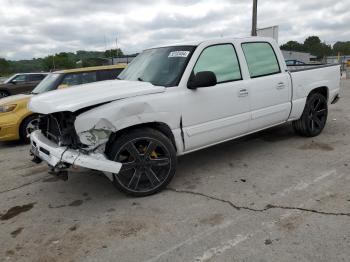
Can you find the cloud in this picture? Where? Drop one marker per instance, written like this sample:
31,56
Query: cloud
37,28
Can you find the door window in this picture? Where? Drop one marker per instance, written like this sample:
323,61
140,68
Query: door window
71,80
19,78
261,59
88,77
79,78
36,77
222,61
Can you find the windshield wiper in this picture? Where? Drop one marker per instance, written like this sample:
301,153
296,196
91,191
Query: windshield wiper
140,79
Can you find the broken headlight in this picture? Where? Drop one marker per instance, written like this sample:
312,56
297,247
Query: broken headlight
95,137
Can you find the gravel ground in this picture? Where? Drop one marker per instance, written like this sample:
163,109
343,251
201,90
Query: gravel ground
272,196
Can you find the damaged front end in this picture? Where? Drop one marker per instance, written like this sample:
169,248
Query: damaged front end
57,143
97,137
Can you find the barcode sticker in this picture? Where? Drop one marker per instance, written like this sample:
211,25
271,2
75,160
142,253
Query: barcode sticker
179,54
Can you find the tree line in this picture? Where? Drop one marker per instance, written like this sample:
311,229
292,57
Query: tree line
63,60
316,47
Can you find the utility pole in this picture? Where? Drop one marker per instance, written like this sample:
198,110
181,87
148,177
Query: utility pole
116,45
53,63
255,18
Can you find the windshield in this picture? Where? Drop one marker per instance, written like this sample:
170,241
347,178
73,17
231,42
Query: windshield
160,66
48,84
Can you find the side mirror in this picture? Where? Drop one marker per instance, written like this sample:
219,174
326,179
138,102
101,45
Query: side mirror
202,79
14,82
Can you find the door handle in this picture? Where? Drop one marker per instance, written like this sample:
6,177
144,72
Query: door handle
280,85
243,93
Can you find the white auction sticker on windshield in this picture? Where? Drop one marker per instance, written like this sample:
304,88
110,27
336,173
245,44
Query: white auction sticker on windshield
179,54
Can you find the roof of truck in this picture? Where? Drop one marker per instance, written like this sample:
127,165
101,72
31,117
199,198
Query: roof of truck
92,68
223,39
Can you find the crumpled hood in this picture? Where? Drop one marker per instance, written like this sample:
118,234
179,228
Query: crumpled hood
82,96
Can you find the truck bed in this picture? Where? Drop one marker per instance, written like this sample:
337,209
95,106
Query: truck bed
308,77
297,68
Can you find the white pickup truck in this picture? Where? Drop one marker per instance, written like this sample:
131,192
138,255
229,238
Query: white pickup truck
173,100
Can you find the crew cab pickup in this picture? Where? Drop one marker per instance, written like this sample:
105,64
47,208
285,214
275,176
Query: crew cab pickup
176,99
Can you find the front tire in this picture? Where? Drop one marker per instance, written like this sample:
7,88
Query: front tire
149,161
314,117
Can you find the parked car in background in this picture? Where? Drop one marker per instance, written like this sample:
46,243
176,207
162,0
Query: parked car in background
16,121
173,100
292,62
20,84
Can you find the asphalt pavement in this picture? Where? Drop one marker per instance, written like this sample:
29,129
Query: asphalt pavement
272,196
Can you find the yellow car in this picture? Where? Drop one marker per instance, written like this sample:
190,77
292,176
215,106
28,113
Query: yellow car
16,121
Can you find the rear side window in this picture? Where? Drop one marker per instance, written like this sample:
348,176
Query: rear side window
109,74
88,77
38,77
72,79
79,78
261,59
222,60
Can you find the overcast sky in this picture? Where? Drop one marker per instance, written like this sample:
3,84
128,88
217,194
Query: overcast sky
36,28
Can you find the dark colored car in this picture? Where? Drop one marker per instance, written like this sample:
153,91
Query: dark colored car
293,62
20,84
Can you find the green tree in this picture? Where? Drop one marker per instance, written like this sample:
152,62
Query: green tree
27,66
4,67
93,62
81,54
59,61
341,47
313,45
312,42
113,52
293,46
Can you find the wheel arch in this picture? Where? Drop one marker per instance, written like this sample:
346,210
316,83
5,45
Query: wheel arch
323,90
159,126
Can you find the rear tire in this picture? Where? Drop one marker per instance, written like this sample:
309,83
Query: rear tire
27,127
314,117
149,161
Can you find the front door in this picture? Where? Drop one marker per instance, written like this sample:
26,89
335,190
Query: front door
217,113
19,85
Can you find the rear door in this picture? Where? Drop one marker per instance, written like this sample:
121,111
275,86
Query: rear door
217,113
270,87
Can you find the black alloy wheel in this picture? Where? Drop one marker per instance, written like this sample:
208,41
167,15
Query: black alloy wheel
148,159
314,117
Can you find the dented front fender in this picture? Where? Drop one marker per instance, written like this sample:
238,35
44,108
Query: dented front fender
95,126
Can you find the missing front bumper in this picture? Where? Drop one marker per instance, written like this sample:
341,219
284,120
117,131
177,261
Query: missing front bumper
54,155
